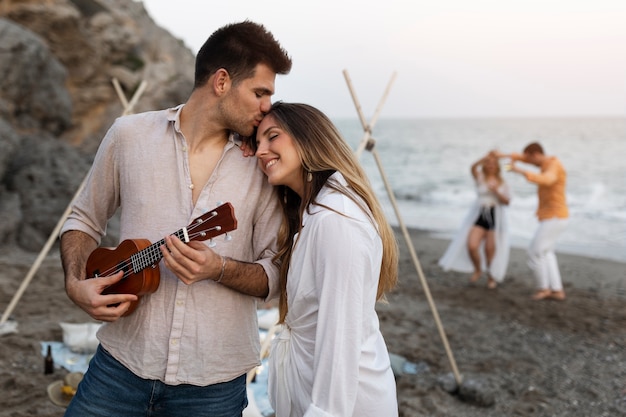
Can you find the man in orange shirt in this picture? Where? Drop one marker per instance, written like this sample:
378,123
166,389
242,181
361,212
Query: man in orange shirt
552,213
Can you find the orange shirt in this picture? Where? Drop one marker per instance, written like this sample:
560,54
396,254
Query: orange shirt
551,188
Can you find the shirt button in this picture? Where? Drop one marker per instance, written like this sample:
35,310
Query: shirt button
174,342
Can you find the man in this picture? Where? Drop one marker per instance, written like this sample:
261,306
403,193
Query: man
187,347
552,213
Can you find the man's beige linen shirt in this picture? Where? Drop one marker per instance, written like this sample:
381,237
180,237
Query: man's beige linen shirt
198,334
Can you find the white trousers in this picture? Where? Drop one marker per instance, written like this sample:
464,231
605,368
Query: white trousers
541,256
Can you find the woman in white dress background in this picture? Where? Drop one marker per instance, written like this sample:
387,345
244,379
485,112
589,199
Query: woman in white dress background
338,257
482,242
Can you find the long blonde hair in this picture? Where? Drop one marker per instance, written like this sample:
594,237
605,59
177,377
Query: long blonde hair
323,151
497,172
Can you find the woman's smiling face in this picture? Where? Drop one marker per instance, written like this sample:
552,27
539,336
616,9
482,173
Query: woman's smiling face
278,157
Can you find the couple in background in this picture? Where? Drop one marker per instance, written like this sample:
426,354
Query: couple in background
310,231
486,226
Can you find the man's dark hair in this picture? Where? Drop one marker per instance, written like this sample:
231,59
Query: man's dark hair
533,148
239,48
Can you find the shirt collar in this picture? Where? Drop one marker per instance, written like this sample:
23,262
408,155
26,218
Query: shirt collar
173,115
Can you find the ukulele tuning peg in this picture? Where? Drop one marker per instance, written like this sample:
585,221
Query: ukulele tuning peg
219,203
212,243
228,237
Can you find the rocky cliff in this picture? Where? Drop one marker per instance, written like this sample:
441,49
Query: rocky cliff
58,60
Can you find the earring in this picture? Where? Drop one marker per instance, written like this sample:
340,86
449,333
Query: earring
309,177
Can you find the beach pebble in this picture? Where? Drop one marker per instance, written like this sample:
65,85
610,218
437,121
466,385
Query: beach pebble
448,383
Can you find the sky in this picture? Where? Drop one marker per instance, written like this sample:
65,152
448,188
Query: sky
433,58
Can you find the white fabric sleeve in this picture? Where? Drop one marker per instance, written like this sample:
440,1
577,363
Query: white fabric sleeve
342,253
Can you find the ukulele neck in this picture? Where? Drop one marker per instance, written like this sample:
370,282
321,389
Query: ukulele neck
151,255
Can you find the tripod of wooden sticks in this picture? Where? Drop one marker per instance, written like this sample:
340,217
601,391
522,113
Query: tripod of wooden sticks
368,143
128,109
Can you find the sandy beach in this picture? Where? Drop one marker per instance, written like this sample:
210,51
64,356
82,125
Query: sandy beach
517,357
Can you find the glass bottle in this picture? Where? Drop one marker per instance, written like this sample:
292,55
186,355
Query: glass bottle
48,363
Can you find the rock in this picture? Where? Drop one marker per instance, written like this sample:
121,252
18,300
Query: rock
472,390
448,382
57,99
33,82
45,174
477,392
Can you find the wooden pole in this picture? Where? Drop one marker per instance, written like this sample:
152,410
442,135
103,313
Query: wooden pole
133,101
418,267
120,92
265,348
40,258
368,143
367,128
128,106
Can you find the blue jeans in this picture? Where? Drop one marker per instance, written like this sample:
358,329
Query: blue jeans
110,389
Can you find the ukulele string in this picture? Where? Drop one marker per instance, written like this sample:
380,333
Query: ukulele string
190,229
123,266
126,265
203,233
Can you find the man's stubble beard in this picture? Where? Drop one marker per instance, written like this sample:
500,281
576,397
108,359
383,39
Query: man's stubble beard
231,118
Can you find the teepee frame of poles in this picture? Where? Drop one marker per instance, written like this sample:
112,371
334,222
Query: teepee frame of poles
368,143
5,328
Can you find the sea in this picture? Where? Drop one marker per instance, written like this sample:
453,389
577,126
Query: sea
427,163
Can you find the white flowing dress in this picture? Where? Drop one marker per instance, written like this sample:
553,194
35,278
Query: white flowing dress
330,359
457,257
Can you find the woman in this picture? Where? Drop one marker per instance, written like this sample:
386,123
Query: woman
485,227
338,256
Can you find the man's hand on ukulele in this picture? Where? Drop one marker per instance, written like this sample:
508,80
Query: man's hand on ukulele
191,262
87,294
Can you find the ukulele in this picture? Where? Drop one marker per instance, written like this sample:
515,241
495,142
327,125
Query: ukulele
140,260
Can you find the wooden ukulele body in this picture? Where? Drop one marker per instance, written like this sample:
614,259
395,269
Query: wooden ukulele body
143,282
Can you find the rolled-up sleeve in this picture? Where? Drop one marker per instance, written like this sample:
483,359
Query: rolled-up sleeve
265,238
